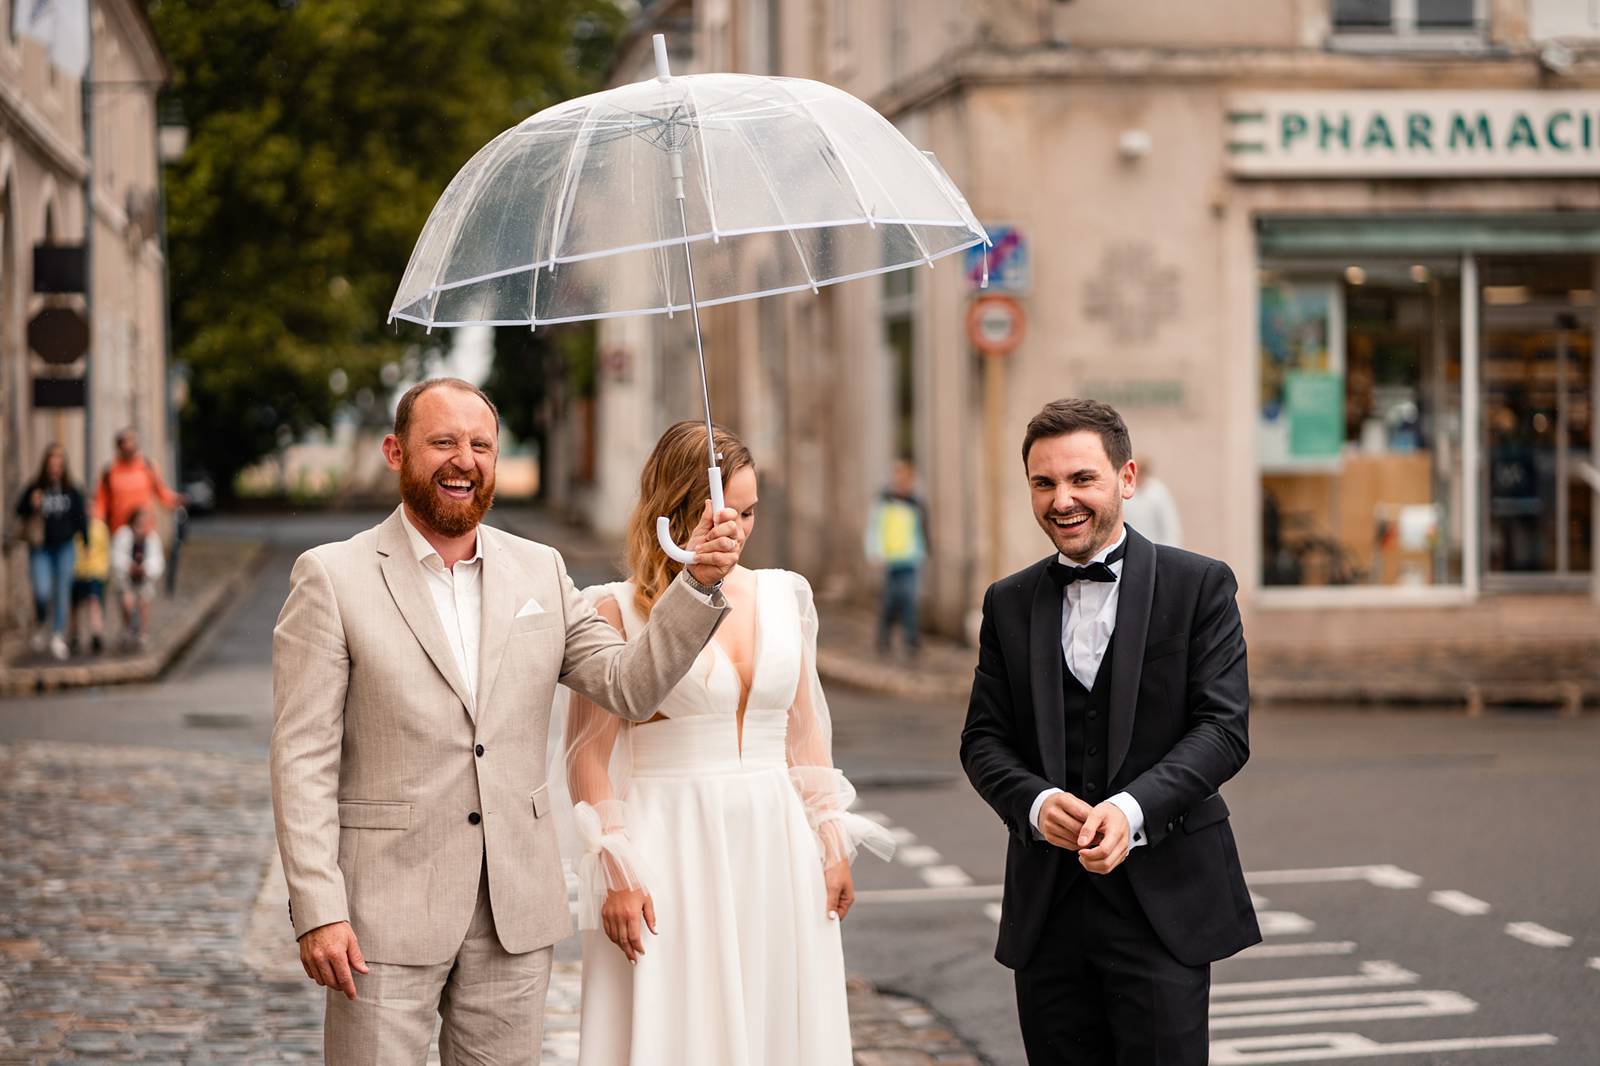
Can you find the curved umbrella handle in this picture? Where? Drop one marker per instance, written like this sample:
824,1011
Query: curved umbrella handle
664,525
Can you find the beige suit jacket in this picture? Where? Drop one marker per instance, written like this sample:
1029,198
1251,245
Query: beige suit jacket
385,812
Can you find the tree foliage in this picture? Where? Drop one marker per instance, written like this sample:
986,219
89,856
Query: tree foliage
321,133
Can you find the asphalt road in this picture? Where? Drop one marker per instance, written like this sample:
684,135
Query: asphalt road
1427,881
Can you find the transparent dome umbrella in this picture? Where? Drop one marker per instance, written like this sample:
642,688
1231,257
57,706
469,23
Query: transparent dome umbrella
675,194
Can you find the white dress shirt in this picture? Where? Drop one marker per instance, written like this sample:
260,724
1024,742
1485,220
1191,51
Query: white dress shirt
1088,620
457,596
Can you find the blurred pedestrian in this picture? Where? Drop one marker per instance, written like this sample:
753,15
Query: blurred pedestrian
52,513
136,566
897,539
1152,510
130,483
89,579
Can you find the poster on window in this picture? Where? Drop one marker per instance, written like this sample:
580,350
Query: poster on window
1301,334
1314,404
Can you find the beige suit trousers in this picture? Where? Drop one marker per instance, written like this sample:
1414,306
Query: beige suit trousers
491,1003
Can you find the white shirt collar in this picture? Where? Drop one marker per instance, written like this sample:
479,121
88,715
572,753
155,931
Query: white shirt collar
423,550
1100,556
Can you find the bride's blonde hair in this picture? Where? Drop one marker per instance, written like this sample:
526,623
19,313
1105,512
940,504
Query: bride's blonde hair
674,483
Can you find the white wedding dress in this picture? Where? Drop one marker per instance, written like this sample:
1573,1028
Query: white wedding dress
729,835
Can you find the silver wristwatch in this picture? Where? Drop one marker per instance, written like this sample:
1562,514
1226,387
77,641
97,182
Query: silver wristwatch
704,590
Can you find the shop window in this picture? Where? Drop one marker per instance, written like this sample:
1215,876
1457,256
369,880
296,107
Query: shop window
1360,424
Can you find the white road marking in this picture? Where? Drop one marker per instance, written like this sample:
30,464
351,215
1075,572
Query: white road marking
1458,902
1378,974
1258,902
1384,876
917,855
1594,963
992,910
902,836
1537,935
1327,1047
930,895
1283,923
1307,949
1349,1007
945,876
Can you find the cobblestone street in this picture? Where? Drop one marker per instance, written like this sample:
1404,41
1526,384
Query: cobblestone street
130,876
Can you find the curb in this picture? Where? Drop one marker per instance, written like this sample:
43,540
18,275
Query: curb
28,680
845,669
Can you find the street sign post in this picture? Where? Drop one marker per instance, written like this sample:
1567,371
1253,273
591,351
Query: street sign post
995,325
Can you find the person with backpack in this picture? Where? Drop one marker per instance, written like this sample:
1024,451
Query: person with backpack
129,484
897,540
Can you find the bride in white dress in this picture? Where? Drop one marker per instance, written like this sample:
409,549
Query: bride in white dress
715,839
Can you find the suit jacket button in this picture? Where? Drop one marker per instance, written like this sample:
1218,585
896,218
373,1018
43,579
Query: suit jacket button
474,818
1091,787
478,751
1094,751
1093,715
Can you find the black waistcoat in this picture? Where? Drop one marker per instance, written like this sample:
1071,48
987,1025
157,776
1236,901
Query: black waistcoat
1088,729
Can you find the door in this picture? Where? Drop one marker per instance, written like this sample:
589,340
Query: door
1538,388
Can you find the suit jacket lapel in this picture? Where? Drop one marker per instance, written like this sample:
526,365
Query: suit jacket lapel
1044,675
403,575
1138,586
499,601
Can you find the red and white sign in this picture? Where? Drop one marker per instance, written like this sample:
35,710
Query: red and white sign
995,324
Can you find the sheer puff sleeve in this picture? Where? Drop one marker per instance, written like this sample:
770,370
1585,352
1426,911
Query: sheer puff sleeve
588,772
823,790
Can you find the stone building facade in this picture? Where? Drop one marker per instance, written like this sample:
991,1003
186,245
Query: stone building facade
46,168
1335,261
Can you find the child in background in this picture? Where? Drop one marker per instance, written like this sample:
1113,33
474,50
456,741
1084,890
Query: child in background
89,588
136,567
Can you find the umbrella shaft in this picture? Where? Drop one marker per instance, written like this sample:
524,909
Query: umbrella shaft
699,346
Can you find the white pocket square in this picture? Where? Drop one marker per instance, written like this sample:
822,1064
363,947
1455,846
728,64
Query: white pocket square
531,607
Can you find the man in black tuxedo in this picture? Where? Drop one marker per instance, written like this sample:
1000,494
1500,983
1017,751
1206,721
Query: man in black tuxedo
1109,704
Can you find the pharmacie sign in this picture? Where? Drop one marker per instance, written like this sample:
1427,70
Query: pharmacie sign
1423,134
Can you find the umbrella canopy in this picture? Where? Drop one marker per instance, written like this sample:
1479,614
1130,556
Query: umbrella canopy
574,213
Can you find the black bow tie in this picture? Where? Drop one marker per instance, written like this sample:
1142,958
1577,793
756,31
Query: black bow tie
1101,571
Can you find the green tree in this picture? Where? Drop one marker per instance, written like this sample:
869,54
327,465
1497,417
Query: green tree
321,133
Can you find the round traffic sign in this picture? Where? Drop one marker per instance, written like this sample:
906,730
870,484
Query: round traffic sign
995,324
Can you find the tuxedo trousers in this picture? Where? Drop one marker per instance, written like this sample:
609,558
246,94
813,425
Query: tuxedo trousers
491,1004
1102,990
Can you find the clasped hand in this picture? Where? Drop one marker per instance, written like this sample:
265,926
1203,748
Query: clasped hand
716,543
1098,834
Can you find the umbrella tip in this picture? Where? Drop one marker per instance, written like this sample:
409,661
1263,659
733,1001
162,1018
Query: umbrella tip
663,70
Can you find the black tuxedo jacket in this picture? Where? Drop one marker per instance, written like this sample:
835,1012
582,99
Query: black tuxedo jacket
1179,706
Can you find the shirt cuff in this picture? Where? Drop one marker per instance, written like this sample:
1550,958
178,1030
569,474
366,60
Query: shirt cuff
1033,812
1135,815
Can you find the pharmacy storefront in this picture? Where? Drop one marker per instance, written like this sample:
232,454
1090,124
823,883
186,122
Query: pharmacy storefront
1425,269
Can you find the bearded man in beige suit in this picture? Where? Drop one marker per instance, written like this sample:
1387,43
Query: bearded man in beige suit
414,667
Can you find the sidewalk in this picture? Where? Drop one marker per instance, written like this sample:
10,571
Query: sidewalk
211,571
